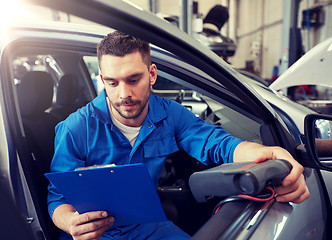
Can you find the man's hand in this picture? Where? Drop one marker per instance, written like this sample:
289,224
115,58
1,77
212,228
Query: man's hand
294,188
90,225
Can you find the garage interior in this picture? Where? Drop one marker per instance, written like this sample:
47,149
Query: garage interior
269,36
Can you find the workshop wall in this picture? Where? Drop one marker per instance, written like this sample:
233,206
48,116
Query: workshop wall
256,26
258,35
323,27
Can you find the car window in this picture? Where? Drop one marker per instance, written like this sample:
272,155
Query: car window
91,63
239,125
23,64
63,70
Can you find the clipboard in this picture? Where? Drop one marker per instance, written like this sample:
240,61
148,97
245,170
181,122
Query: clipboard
126,192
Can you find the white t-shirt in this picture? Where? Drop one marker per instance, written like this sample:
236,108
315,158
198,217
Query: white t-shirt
130,133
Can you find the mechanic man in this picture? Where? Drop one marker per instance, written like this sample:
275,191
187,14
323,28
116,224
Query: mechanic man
124,124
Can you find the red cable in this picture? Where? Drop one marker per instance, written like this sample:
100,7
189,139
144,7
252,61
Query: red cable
257,199
215,211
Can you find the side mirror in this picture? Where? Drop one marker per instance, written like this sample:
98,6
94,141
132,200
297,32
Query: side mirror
319,139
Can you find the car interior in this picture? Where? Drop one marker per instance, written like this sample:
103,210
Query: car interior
11,217
50,84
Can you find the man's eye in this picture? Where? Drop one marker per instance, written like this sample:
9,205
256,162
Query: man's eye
112,84
133,80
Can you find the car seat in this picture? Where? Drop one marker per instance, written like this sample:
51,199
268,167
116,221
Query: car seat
66,97
175,195
35,94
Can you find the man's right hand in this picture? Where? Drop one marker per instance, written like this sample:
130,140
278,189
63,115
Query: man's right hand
90,225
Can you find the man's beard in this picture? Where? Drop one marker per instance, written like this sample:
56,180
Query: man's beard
136,114
141,104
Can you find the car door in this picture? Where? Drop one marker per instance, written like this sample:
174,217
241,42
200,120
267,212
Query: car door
222,85
279,220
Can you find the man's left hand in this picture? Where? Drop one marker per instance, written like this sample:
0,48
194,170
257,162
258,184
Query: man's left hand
293,188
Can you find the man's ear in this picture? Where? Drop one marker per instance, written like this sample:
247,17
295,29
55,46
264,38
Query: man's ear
153,74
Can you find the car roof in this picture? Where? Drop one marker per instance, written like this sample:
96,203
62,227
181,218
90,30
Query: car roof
56,26
33,30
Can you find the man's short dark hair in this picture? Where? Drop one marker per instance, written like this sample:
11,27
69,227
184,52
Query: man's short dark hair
120,44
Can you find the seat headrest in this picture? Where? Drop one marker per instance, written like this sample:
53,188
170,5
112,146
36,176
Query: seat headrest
35,93
67,92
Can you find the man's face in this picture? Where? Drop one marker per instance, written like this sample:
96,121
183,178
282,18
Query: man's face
127,82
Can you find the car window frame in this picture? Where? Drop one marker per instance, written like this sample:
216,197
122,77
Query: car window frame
18,175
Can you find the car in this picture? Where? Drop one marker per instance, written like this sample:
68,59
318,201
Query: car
48,70
308,81
292,113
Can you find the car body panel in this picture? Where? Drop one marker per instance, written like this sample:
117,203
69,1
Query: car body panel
310,79
314,68
280,221
293,109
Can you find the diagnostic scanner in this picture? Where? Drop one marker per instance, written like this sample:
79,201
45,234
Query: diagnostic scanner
230,179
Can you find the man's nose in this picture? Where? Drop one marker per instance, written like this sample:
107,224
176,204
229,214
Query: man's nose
125,91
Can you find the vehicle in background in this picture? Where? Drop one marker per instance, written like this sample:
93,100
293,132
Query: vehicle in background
308,81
